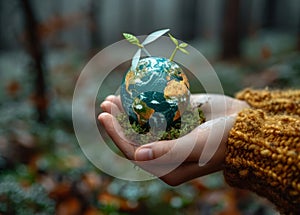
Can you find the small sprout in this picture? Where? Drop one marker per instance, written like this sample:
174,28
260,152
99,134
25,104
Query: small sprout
135,41
180,47
175,41
132,39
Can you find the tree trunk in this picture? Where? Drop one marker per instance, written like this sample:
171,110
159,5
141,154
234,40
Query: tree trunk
231,34
298,35
189,22
34,47
94,25
269,13
1,27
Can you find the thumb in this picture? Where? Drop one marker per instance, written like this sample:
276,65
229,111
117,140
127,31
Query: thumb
152,151
172,151
192,146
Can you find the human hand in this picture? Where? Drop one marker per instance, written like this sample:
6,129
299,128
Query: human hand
198,153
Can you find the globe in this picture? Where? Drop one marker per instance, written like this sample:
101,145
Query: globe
155,94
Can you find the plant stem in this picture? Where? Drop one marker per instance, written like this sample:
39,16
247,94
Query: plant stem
173,54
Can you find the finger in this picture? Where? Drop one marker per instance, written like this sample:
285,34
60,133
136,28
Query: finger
215,105
116,100
200,101
197,100
110,107
237,106
190,147
172,151
114,130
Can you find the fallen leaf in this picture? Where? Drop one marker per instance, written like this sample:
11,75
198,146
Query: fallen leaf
13,88
70,206
118,202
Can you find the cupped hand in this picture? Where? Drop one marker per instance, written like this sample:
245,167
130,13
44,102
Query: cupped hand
198,153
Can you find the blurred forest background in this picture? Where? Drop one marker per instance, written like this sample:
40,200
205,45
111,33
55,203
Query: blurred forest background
45,44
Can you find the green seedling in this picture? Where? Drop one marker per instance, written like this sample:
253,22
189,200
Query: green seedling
180,47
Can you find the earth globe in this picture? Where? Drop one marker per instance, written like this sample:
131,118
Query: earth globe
155,94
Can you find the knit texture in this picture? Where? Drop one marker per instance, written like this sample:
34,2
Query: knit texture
263,148
274,102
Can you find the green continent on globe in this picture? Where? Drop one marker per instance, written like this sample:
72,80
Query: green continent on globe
156,94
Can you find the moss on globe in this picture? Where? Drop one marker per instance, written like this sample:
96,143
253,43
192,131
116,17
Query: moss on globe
193,117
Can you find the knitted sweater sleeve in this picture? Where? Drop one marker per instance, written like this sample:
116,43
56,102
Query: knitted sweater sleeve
263,148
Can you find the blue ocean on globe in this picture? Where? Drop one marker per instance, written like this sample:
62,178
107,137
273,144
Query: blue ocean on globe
155,94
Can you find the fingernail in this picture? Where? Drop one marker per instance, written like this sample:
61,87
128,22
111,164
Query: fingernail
101,117
144,154
102,105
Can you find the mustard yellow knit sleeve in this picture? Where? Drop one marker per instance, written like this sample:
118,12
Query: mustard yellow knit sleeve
275,102
263,148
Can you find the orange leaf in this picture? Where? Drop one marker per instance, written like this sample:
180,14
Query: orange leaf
266,52
93,180
69,206
92,211
13,88
60,191
121,203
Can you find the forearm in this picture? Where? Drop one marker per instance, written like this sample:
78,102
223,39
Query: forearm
263,149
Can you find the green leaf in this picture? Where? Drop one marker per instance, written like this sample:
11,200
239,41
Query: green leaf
183,50
132,39
175,41
183,45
